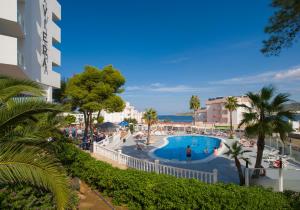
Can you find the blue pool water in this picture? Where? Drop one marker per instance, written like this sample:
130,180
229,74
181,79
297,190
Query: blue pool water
176,148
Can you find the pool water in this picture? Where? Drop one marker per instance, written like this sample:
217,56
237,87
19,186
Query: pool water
202,147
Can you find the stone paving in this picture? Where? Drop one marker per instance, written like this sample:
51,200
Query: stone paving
227,172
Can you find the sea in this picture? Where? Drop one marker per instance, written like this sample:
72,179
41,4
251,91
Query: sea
175,118
189,119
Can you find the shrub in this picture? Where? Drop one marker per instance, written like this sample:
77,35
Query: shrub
30,197
142,190
25,197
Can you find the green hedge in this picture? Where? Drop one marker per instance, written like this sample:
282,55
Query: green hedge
25,197
141,190
22,196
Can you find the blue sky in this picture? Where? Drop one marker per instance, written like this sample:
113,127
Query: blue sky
171,49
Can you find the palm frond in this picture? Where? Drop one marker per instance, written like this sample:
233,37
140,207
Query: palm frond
10,87
22,110
279,100
267,92
23,164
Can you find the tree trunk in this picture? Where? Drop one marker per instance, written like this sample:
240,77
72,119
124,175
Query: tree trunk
98,115
86,127
231,129
148,136
91,127
259,155
240,171
194,118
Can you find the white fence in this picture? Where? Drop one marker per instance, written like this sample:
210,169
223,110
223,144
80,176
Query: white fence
148,166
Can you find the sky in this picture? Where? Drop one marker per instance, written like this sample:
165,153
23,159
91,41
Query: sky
169,50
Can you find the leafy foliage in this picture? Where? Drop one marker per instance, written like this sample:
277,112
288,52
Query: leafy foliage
59,93
21,162
194,103
236,152
266,115
195,106
96,90
142,190
25,197
70,119
284,26
131,120
10,87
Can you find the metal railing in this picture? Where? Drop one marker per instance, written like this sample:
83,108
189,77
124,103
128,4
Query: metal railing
156,167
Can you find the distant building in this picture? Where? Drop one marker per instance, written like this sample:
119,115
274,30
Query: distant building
216,113
128,112
115,117
28,36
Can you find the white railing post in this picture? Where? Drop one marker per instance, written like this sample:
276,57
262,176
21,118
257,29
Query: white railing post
215,176
280,180
94,147
119,156
156,166
247,177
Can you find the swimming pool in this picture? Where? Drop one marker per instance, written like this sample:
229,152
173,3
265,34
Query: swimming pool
175,147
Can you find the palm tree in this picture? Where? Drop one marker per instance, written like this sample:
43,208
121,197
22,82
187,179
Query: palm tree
21,162
231,105
236,152
264,116
195,106
150,117
10,87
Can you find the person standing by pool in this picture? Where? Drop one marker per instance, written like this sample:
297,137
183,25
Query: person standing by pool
215,151
188,153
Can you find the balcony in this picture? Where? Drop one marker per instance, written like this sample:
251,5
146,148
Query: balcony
56,33
11,28
56,11
55,55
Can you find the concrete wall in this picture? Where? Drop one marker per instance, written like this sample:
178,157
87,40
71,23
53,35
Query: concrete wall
24,24
9,46
9,11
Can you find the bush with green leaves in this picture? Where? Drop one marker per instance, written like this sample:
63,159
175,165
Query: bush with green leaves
29,197
142,190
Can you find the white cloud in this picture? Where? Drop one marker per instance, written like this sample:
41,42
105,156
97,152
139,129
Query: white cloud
158,87
273,77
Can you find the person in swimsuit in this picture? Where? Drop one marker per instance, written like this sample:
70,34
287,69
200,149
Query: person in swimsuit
188,153
215,151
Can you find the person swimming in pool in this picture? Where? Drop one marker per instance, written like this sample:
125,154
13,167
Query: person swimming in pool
188,152
206,150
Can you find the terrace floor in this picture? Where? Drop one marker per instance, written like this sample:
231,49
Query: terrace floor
227,172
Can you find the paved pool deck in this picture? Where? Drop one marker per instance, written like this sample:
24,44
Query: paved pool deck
227,171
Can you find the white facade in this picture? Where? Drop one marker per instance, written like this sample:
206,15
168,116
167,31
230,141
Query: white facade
216,113
115,117
128,112
28,33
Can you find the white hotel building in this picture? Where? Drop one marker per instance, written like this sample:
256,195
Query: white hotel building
28,36
115,117
215,112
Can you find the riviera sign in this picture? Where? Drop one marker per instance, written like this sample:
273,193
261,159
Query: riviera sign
44,38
